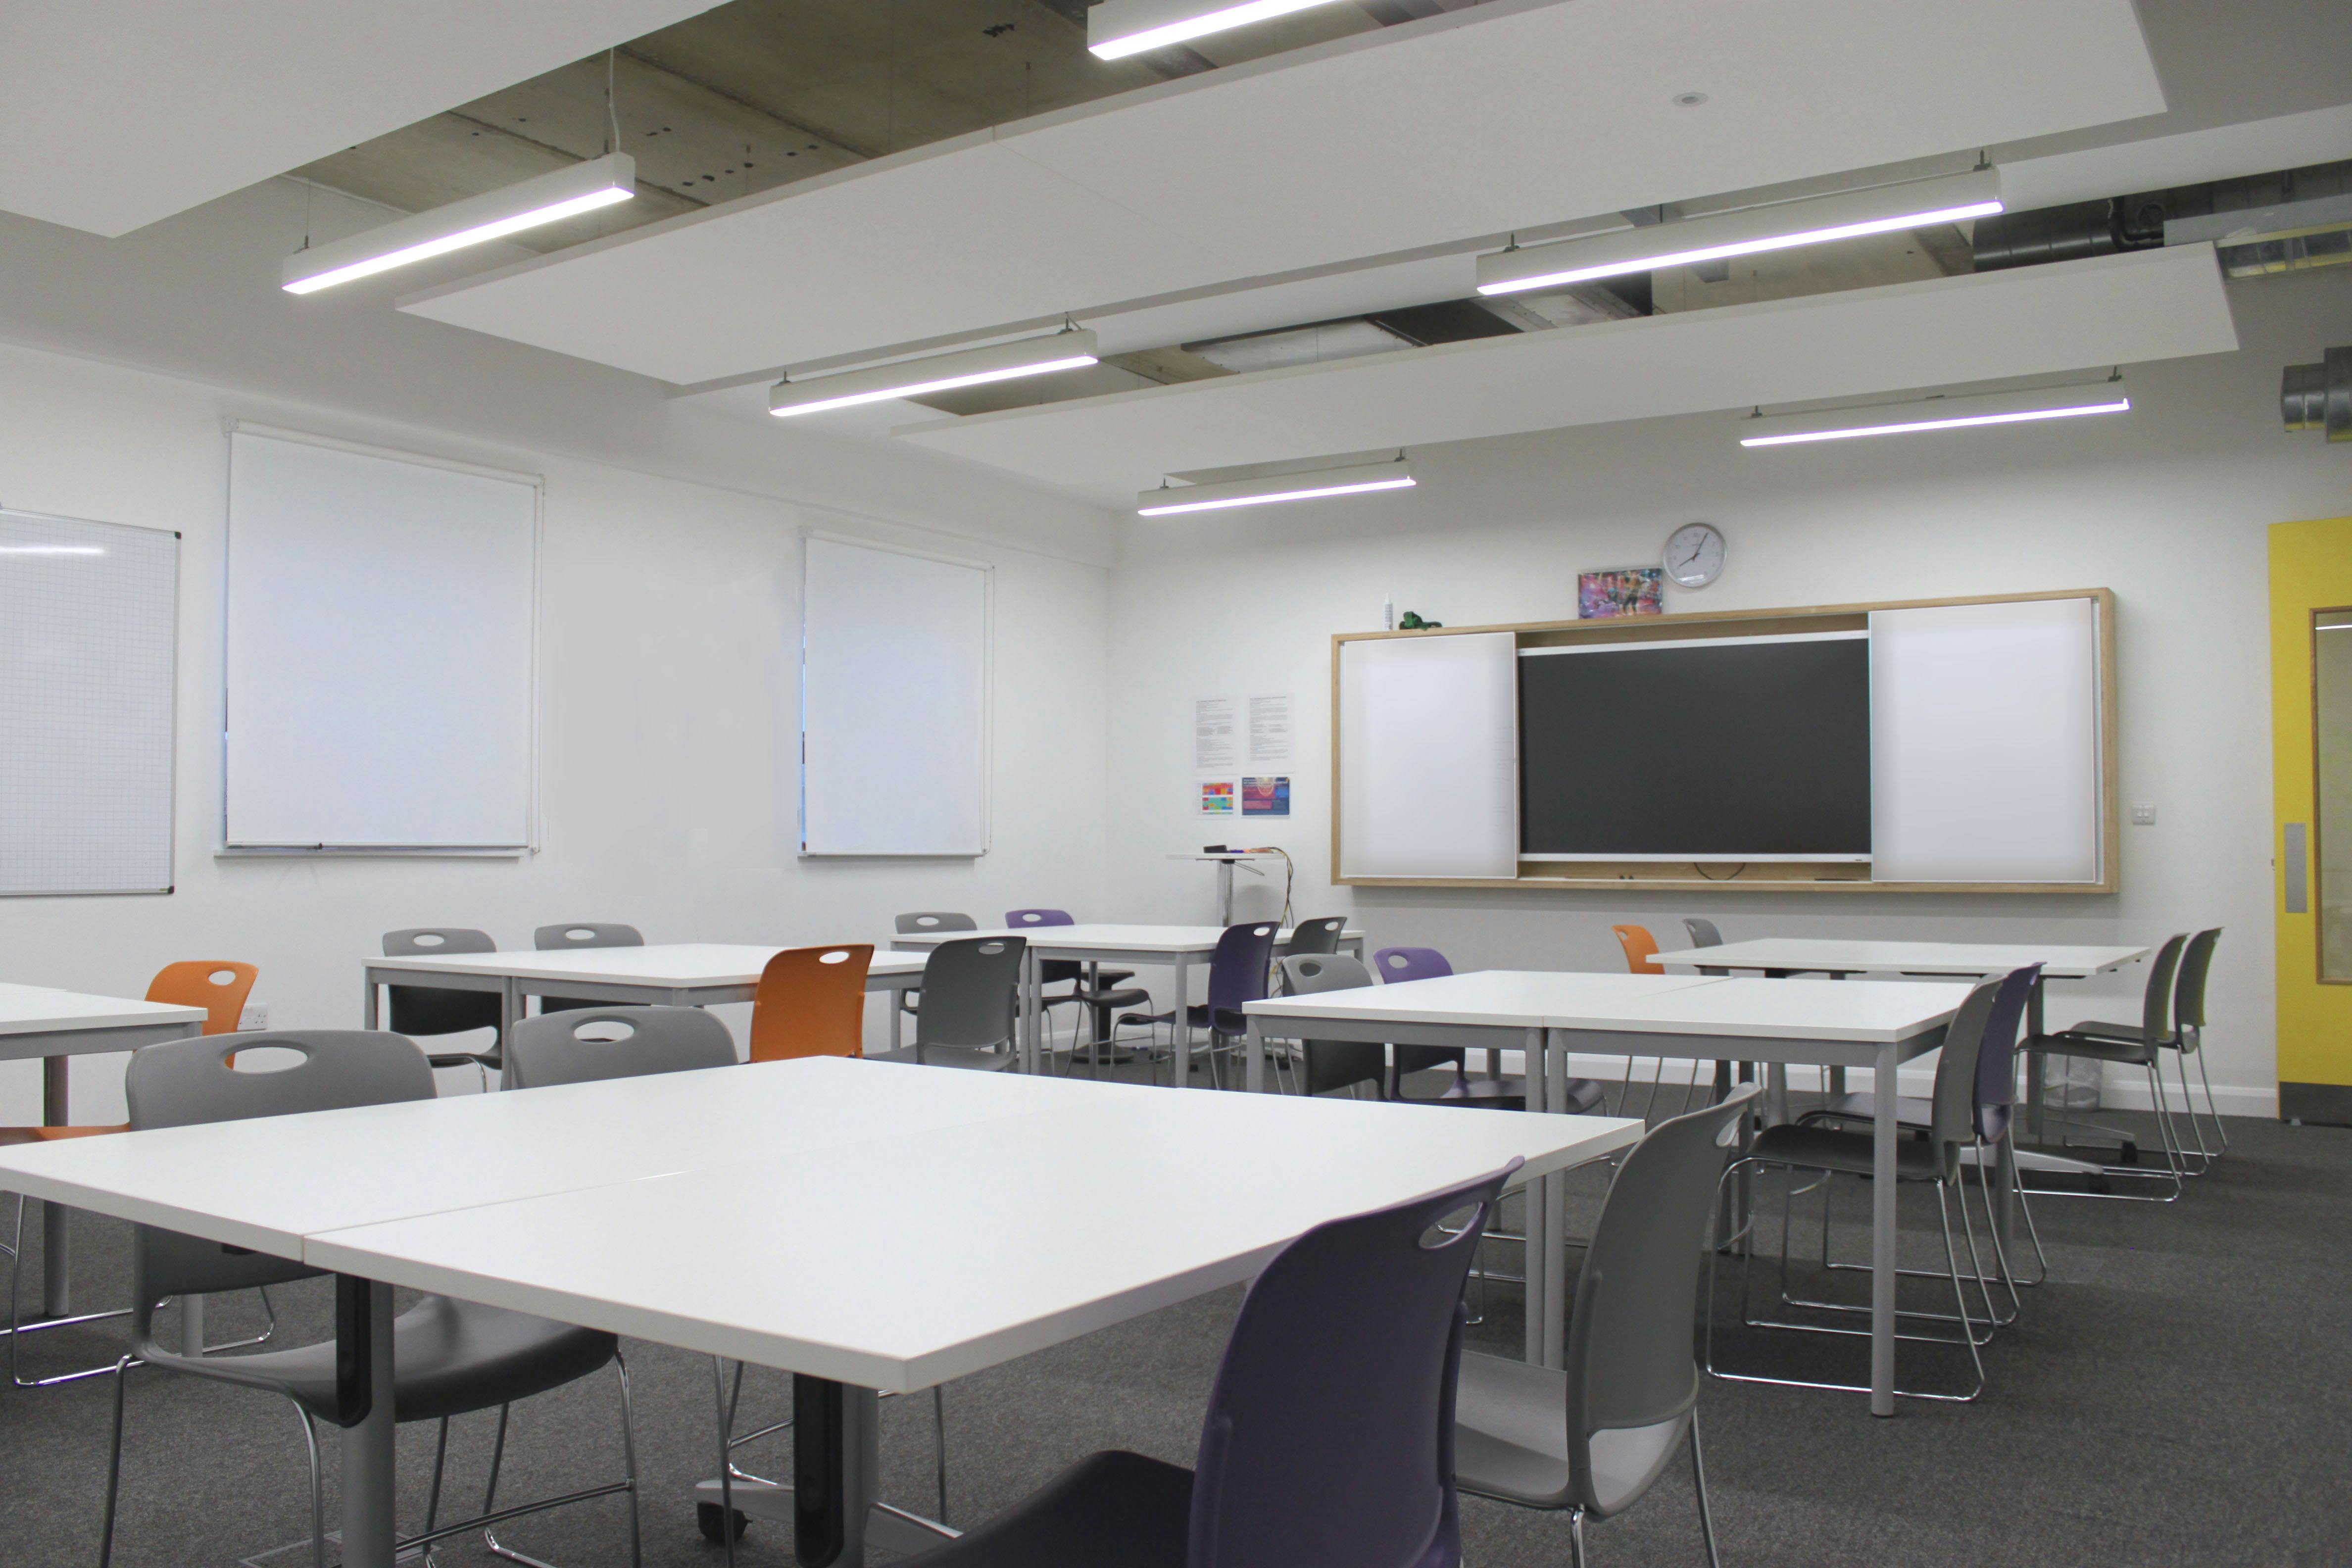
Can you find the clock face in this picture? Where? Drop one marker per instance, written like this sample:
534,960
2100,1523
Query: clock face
1694,554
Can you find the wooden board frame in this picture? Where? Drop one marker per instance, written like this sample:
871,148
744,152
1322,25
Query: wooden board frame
1815,877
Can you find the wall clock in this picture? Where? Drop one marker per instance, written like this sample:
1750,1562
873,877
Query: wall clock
1694,554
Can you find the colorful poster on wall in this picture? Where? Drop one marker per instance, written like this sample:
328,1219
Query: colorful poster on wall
1622,591
1266,796
1217,799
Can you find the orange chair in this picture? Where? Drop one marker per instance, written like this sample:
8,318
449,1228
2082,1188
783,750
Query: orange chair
1641,950
811,1003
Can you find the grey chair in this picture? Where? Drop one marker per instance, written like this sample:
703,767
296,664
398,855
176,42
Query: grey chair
1704,934
425,1011
581,933
586,1045
449,1358
1935,1160
2184,1040
1332,1064
2142,1046
1593,1435
926,922
968,1016
1321,934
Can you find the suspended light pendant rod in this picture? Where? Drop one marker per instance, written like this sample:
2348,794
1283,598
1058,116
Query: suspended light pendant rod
1355,480
542,199
1118,28
1072,348
1937,414
1779,226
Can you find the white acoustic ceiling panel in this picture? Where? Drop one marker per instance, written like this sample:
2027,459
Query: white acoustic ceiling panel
115,113
2118,309
1473,123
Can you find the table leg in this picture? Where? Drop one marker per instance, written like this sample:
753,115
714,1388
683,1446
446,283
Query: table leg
1255,1079
836,1454
1033,1013
1180,1031
363,1341
1224,892
898,996
1537,1253
1551,1058
2033,1061
1882,1236
511,1004
1776,1094
57,1241
368,1002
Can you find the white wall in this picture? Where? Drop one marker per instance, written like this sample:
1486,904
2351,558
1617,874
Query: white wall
2167,506
669,632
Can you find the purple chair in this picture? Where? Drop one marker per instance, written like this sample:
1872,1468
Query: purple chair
1329,1438
1238,970
1395,965
1091,987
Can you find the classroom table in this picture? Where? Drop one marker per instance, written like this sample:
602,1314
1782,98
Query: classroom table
1842,956
56,1026
1177,947
913,1226
1551,1016
680,974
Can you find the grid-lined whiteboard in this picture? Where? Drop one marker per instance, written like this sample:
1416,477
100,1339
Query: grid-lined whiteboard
88,622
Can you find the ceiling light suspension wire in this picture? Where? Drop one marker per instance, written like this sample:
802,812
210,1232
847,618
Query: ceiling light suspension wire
612,114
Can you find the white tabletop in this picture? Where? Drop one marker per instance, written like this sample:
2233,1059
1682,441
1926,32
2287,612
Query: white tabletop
1135,939
38,1010
2058,962
684,965
1648,1004
886,1225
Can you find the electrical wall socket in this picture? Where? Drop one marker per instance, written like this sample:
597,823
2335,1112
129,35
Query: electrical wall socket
255,1016
2144,816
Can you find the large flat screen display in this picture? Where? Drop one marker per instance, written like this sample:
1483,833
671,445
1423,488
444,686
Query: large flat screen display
1729,749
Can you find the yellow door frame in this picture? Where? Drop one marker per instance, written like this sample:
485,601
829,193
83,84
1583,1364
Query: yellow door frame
2311,570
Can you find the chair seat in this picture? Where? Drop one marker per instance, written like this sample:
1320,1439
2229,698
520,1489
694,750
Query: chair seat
1196,1016
15,1135
1132,996
1910,1111
1815,1148
1111,1509
449,1358
1510,1439
970,1059
2098,1047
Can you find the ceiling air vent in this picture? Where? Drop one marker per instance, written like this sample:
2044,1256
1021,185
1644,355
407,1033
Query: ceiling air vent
2319,396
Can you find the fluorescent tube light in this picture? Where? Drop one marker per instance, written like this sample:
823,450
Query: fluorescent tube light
912,378
52,550
543,199
1118,28
1355,480
1938,414
1779,226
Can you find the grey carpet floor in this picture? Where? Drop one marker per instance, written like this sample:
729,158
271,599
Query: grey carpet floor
2175,1395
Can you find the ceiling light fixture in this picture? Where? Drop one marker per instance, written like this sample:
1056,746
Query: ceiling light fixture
1118,28
1779,226
1937,414
52,550
494,214
1069,349
1355,480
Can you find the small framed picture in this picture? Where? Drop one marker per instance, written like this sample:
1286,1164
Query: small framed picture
1620,591
1217,799
1266,796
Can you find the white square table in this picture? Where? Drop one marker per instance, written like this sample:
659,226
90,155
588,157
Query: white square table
1177,947
36,1021
679,974
864,1226
1554,1016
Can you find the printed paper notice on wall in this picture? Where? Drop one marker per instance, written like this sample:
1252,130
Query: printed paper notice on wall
1217,799
1266,796
1269,730
1216,745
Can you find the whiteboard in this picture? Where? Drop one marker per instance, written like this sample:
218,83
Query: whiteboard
1984,742
380,661
89,628
1429,750
894,702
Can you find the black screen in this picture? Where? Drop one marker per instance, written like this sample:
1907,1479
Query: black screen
1715,752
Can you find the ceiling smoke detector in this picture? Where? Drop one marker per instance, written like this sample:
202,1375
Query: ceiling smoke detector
2319,396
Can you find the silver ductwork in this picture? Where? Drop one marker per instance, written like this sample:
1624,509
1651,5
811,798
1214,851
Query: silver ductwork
2319,396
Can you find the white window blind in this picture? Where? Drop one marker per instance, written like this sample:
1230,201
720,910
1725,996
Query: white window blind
894,702
1429,749
1984,742
381,635
88,619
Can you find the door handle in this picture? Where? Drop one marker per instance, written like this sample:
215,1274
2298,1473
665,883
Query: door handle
2298,878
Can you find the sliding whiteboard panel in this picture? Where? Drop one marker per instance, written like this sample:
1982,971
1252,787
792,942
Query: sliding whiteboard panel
1984,746
89,623
1429,749
380,663
894,702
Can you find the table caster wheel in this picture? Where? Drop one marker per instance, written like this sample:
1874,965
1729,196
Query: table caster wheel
710,1517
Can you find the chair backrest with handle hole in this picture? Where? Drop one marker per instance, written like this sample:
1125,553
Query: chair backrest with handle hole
1704,934
1632,1375
1395,964
2156,1000
585,933
426,1009
1996,1053
923,923
1021,919
2189,991
1239,969
1329,1437
1641,949
1321,934
811,1003
1334,1064
588,1045
187,1083
970,985
1952,1103
217,986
